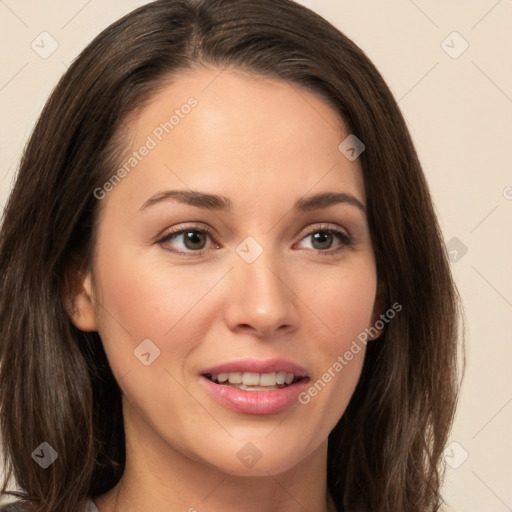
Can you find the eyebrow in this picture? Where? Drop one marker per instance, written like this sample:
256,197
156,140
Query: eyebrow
223,204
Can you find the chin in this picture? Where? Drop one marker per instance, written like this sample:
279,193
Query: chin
258,458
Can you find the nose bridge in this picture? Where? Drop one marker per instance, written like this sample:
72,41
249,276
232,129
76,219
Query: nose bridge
259,295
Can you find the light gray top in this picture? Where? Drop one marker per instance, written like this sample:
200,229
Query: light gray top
90,506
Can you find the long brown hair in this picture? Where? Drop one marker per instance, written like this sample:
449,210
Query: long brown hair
385,453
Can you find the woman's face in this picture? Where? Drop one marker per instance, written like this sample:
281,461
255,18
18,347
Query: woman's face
187,288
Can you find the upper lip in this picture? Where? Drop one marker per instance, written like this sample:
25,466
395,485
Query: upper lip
258,366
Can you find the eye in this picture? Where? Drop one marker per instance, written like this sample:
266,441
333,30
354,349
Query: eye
323,238
192,240
189,240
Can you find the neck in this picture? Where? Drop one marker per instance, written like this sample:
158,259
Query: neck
161,478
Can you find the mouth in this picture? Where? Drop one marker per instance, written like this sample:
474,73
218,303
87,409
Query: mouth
253,381
252,386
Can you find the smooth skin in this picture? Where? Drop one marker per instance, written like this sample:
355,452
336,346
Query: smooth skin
263,143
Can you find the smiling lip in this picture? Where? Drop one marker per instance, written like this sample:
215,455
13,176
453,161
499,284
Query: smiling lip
258,366
261,402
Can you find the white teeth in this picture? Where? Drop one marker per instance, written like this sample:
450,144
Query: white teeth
267,379
254,379
280,377
250,379
235,378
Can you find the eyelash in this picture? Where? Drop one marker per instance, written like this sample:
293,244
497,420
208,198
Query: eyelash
346,240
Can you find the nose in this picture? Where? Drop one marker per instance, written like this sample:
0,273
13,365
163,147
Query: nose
260,298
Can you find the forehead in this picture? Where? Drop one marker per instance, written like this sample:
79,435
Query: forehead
224,131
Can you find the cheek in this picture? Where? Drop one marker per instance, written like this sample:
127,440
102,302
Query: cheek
338,305
343,300
141,299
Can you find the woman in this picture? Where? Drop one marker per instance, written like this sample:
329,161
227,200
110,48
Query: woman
223,284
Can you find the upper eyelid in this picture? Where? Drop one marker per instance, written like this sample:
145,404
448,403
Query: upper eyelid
321,226
210,232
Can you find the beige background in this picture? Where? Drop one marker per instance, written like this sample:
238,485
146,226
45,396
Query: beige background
459,111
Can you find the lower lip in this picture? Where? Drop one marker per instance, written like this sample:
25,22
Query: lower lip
255,402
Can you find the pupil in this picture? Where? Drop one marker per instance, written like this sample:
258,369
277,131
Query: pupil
192,238
323,237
